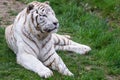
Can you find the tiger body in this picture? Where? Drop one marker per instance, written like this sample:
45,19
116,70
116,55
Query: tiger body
34,40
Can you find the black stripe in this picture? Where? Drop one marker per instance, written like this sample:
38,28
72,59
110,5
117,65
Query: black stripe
64,41
37,4
40,7
58,42
37,27
11,31
49,65
14,38
36,20
26,51
48,57
29,45
25,19
37,11
30,38
43,45
32,19
47,51
31,31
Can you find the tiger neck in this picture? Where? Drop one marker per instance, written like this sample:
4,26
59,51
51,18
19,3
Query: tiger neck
31,32
42,36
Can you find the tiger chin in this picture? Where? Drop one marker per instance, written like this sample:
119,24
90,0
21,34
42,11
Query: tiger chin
33,38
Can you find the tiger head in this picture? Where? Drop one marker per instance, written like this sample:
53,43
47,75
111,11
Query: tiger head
43,17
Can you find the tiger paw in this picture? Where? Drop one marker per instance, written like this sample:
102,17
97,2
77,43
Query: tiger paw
68,73
45,73
82,49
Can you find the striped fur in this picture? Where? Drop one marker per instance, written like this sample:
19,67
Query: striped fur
33,39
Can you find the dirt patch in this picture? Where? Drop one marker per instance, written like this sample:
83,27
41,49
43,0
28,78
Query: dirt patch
111,77
8,11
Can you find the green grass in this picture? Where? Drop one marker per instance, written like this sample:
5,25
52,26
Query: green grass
108,9
86,28
12,12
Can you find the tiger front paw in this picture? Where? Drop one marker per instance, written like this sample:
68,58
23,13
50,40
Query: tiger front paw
45,73
68,73
64,70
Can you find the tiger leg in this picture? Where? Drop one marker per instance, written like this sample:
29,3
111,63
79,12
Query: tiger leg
56,63
63,43
30,62
67,36
80,49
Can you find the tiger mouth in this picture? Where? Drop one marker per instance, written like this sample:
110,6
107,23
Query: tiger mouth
49,30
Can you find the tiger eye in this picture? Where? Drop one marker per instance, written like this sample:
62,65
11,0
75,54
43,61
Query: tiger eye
44,15
43,10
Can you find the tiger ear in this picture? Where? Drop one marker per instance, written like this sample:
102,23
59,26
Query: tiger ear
47,2
30,7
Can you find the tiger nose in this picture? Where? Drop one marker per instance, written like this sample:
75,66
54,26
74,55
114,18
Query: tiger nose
55,23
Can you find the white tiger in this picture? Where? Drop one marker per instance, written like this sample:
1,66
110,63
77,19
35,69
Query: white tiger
33,39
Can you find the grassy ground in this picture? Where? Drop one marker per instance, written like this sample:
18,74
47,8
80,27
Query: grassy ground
85,26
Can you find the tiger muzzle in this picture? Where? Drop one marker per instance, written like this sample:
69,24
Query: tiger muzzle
49,30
